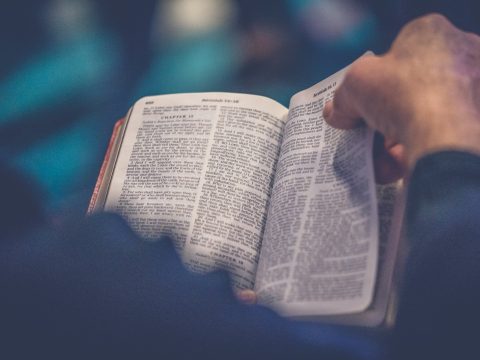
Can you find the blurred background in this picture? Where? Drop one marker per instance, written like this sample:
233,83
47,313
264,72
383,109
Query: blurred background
70,68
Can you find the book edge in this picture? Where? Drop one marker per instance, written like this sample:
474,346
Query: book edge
103,168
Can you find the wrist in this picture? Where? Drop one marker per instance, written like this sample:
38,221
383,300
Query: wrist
439,134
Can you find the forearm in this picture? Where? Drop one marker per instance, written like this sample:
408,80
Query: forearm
441,293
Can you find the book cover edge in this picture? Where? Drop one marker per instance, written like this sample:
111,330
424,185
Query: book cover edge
103,168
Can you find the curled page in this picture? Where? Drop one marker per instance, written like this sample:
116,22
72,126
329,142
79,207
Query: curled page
320,248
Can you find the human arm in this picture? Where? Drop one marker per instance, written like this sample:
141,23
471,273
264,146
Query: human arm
95,290
422,96
439,310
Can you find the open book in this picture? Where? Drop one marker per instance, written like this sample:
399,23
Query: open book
287,204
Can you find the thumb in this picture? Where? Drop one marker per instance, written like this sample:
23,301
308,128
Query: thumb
248,297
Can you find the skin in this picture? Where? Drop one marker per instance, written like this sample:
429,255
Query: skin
423,95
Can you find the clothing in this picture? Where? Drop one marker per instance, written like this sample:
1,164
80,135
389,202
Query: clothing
440,302
94,290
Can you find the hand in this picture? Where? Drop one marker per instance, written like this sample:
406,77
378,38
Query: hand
388,159
424,94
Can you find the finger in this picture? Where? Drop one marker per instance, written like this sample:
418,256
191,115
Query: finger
389,142
248,297
399,154
338,113
389,162
343,111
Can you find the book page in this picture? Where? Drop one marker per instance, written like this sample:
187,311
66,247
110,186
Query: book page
199,167
381,311
320,248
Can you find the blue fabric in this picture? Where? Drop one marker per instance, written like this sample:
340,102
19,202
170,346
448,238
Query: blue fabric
440,312
92,289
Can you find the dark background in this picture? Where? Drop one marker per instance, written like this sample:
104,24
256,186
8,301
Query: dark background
70,68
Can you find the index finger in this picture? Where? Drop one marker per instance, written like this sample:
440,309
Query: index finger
347,109
338,113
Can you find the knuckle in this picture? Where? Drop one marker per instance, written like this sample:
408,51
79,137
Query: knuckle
425,29
473,38
358,70
435,18
432,21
